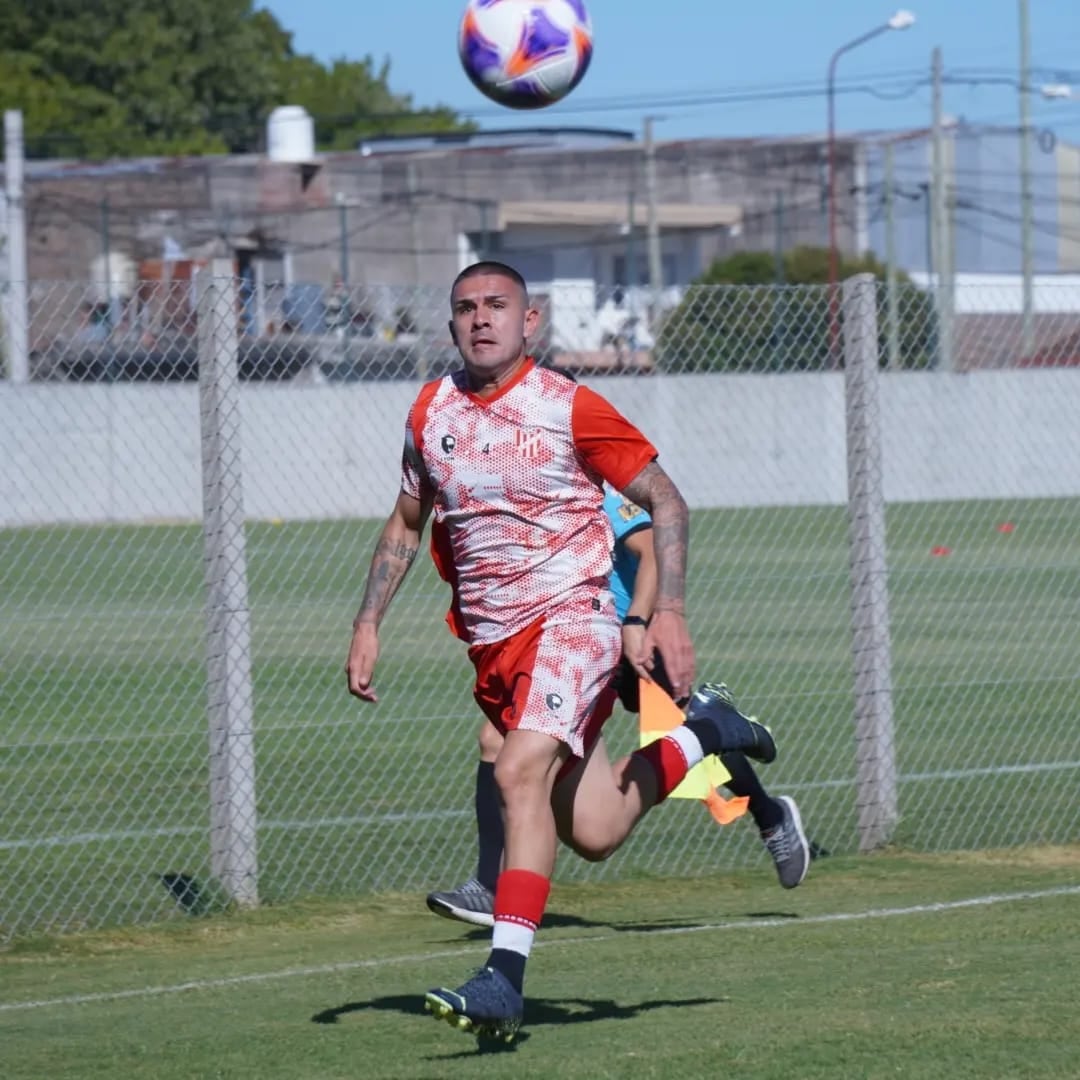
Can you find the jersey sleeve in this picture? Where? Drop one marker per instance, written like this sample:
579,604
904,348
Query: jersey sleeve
625,516
414,477
606,441
412,469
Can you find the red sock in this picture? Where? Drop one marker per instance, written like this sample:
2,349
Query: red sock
668,762
520,897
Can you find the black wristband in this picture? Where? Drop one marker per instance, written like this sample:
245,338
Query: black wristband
635,620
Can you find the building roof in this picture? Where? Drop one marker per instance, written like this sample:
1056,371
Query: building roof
561,138
599,214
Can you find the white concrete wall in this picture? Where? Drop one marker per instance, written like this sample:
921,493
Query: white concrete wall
129,453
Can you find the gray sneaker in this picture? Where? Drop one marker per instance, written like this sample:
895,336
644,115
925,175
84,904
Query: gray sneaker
787,845
472,902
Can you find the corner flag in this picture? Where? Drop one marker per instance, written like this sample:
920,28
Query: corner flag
659,715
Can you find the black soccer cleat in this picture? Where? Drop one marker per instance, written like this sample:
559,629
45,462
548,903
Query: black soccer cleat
713,703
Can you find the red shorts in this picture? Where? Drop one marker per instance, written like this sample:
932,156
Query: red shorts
555,676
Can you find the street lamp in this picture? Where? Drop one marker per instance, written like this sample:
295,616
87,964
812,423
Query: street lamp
900,21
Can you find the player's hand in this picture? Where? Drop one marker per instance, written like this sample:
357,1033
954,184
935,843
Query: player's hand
359,668
633,647
670,636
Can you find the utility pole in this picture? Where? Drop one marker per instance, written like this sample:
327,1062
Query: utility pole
1026,256
652,224
343,236
940,220
823,202
778,246
17,313
417,261
890,259
779,277
106,258
414,223
485,230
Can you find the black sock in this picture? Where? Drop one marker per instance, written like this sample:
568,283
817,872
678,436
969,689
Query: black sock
765,810
511,964
489,825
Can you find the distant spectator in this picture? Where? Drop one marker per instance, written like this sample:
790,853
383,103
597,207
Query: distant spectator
612,321
93,324
339,306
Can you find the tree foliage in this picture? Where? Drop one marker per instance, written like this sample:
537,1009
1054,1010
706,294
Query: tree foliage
116,78
351,98
745,313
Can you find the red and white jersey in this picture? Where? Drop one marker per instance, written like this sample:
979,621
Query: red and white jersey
515,481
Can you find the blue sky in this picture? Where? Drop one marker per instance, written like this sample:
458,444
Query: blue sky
674,58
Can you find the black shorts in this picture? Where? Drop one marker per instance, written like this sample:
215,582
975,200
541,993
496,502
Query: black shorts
626,682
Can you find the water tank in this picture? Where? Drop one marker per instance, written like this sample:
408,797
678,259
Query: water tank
290,135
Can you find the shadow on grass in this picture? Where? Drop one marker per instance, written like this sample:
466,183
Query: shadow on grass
538,1012
554,921
574,922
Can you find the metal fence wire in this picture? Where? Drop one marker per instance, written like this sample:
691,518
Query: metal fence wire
885,566
147,332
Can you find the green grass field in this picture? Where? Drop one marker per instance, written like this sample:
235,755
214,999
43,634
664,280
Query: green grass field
882,966
103,752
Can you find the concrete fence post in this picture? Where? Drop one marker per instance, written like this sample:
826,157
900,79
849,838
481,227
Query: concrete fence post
228,626
875,752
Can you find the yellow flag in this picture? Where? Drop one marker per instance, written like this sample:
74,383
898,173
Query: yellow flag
658,715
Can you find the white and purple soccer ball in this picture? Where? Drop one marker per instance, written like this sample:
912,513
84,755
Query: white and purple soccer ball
525,54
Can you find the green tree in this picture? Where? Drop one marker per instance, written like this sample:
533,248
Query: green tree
163,77
737,316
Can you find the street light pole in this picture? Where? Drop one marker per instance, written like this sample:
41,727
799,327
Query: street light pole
1026,254
900,21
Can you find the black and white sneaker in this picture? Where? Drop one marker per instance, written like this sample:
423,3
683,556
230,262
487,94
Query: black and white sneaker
472,902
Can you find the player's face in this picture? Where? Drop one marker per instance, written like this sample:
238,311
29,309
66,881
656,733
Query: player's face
490,321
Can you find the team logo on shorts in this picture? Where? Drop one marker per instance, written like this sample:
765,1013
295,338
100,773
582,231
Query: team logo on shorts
448,443
553,702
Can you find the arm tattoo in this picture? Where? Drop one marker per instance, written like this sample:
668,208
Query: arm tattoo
389,565
653,489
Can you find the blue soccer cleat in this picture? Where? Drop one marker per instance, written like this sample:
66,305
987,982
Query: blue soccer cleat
487,1006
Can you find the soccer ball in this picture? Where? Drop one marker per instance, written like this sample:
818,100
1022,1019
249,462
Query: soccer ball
525,53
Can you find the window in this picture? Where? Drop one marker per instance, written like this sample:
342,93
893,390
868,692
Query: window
669,269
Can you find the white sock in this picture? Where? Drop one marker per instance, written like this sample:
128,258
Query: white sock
514,936
688,743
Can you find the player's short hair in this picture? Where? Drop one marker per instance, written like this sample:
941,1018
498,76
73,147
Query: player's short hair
492,266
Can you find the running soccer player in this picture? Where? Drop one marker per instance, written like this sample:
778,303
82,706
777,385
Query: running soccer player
508,457
633,585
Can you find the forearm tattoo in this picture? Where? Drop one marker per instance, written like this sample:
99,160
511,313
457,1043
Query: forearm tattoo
389,565
653,489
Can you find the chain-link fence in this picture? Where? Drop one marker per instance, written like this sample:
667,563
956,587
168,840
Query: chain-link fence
146,331
885,565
